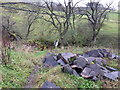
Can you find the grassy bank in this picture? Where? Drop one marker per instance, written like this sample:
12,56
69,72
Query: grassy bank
15,74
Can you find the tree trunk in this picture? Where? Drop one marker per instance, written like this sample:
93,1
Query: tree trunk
94,37
62,41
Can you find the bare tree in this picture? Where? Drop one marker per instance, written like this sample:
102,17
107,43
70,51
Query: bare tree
32,11
61,20
96,14
30,18
7,25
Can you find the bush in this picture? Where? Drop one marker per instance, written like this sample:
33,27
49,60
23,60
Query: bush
80,36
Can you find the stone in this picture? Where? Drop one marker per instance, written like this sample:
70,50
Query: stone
98,53
75,73
111,68
117,57
79,55
113,56
68,69
93,53
49,54
66,57
104,62
96,69
90,59
100,61
76,68
61,62
118,74
90,65
103,52
92,73
86,72
85,55
55,57
103,69
49,62
80,62
94,78
48,84
112,75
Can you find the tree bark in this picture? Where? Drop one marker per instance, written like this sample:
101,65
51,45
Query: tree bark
94,36
62,40
94,39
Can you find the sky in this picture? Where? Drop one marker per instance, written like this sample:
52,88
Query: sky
104,2
82,3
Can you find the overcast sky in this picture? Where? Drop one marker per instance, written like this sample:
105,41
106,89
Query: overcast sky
82,3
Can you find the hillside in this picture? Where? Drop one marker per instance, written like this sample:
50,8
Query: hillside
34,61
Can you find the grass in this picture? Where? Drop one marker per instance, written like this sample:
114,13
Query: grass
108,36
113,15
15,74
81,50
63,80
110,28
44,30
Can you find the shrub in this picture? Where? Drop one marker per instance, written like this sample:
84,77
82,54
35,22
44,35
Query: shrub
80,36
